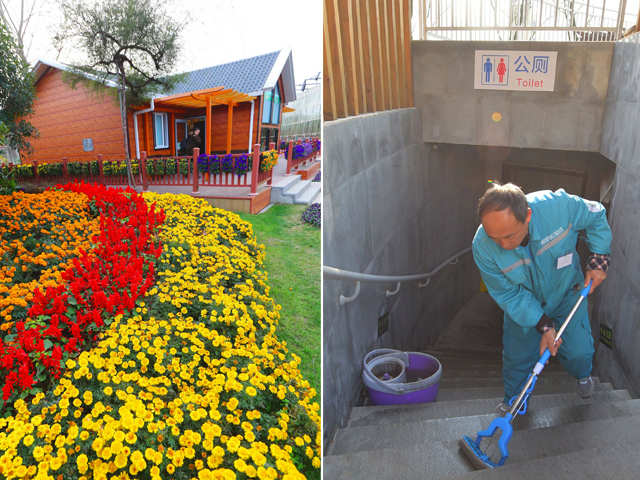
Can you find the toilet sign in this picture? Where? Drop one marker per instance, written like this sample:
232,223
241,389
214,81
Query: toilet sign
515,70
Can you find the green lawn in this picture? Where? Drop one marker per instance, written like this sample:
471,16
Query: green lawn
293,265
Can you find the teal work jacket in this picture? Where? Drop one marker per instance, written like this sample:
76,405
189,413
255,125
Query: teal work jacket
529,281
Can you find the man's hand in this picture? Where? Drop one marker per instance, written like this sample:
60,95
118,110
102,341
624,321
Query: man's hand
598,276
547,342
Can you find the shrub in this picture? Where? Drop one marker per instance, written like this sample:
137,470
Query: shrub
313,215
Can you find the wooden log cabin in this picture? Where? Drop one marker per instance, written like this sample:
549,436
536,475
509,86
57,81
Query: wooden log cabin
235,105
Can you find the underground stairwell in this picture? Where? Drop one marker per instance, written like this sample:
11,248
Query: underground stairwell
561,436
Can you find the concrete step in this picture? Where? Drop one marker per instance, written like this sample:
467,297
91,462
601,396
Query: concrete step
306,196
444,459
469,381
478,324
282,184
318,197
477,355
463,369
445,394
396,414
615,461
296,188
374,437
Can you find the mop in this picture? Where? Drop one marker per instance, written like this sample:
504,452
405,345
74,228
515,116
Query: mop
478,458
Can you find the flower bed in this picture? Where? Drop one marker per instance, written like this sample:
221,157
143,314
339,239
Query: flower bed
313,215
189,382
39,236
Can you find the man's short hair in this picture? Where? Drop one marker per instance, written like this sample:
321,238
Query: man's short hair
498,197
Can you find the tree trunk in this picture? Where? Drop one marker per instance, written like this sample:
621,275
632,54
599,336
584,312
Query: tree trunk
125,129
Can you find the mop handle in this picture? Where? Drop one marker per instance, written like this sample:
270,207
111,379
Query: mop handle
546,354
583,294
539,366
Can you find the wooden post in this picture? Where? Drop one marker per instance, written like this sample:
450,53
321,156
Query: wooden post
101,169
289,157
229,125
208,128
143,170
196,154
65,169
255,169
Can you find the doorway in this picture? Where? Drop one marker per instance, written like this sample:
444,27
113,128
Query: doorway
181,133
184,125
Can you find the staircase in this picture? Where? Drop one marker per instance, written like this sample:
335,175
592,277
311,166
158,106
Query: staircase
292,189
562,436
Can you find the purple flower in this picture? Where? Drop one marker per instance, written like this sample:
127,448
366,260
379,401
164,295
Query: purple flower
313,215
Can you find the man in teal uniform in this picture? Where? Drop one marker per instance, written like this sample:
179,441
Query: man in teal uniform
525,249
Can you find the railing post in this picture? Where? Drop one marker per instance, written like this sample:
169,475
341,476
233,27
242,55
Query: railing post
101,169
143,170
255,168
65,169
196,154
289,157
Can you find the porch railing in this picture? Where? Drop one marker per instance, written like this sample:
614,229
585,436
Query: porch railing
165,171
230,170
302,153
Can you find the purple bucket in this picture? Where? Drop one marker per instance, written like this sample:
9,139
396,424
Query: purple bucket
423,373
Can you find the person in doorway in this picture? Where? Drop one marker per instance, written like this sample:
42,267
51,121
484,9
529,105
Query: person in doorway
525,249
192,141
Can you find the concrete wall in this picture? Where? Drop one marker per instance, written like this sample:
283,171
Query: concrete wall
388,206
619,305
394,205
570,118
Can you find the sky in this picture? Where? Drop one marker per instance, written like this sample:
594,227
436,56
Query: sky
215,32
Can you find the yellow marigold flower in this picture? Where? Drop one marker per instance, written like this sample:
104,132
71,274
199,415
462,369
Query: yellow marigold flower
81,462
232,404
137,459
28,440
251,391
38,453
121,460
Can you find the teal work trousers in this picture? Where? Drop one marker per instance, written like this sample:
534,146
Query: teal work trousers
521,347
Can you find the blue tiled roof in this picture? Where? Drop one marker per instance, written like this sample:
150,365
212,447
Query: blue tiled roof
246,76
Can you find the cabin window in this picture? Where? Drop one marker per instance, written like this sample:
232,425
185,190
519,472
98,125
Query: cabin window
275,113
266,110
161,130
268,135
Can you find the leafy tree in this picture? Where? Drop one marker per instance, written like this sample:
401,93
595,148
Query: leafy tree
16,93
131,42
18,23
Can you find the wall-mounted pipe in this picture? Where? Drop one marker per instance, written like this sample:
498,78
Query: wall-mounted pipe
251,127
135,127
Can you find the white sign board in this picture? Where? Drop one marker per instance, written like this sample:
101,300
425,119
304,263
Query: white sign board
515,70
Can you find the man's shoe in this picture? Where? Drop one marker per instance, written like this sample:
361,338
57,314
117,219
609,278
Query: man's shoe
585,387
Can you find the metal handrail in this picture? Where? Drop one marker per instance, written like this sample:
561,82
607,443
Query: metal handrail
337,273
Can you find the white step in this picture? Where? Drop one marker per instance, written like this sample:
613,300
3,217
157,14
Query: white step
306,197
